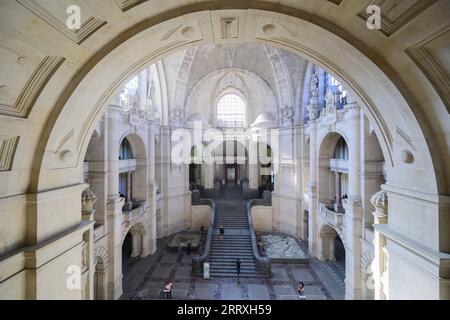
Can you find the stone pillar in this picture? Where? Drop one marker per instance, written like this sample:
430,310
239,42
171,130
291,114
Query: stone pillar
379,266
208,175
312,192
253,177
88,198
136,243
150,238
114,205
129,187
338,205
352,205
145,242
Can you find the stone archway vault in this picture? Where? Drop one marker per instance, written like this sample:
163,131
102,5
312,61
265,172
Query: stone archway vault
74,100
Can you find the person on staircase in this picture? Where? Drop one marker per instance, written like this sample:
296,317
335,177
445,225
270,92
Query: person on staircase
238,267
221,232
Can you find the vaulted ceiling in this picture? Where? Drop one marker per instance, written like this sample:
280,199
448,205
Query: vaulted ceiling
43,63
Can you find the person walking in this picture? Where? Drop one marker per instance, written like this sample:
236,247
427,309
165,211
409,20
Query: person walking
180,251
301,290
168,289
202,230
221,232
238,267
189,246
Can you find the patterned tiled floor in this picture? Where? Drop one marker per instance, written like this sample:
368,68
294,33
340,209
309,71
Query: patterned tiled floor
145,277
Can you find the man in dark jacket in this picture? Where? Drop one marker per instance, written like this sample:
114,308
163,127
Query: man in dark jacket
238,267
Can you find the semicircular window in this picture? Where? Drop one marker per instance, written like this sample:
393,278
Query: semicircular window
231,111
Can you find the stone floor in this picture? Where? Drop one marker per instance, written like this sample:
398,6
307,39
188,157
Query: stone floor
143,278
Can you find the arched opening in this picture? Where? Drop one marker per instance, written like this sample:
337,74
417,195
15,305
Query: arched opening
230,163
265,168
127,249
196,173
333,172
132,172
333,252
57,161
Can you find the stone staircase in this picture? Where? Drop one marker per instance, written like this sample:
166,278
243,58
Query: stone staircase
231,212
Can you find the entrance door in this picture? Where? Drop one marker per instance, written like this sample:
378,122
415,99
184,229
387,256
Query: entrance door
231,175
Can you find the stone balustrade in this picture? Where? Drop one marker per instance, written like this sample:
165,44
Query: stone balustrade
331,217
135,213
340,165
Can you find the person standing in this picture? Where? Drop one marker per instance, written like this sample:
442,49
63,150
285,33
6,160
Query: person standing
180,251
189,246
221,232
238,267
168,289
301,290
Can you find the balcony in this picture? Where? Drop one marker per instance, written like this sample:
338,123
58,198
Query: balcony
127,165
331,217
137,210
339,165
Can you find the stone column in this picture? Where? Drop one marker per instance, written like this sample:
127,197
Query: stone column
338,205
379,266
114,205
88,198
208,175
150,238
312,192
136,243
253,165
145,242
352,205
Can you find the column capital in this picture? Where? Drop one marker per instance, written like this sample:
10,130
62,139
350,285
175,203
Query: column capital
380,201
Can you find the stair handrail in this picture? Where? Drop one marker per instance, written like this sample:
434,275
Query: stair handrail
262,264
197,262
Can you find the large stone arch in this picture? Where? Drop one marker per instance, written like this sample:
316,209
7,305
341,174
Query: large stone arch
325,147
405,119
368,85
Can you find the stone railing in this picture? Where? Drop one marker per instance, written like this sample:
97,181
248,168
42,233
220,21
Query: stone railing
127,165
340,165
331,217
197,262
262,264
135,212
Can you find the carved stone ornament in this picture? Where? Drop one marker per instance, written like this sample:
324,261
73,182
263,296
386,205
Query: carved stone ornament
380,201
287,114
176,114
331,99
88,198
315,85
313,111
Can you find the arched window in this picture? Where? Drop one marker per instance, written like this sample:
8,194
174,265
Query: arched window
128,91
331,81
125,150
341,149
231,111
